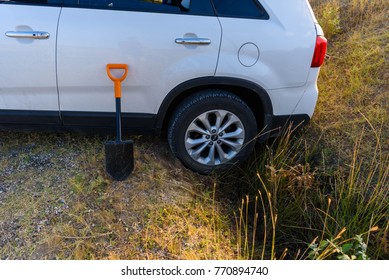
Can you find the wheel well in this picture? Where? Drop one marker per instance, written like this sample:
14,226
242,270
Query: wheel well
249,96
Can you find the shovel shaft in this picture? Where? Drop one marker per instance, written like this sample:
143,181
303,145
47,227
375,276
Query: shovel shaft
118,121
118,89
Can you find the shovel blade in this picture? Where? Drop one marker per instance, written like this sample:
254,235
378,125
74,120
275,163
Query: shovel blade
119,159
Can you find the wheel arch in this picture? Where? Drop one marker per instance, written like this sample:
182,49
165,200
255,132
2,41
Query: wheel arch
252,94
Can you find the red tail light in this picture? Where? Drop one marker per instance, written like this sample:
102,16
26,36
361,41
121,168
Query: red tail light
320,51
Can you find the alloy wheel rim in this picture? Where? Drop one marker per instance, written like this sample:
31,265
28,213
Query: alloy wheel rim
214,137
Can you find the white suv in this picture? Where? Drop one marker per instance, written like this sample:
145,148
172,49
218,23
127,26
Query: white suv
213,74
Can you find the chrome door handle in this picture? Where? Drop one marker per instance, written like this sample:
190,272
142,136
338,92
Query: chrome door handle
28,34
193,41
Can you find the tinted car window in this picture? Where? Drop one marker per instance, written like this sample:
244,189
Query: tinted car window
240,8
33,2
138,5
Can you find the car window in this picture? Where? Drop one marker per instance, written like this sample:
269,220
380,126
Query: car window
33,2
240,8
175,6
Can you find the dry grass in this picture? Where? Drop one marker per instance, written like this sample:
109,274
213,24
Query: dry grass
58,203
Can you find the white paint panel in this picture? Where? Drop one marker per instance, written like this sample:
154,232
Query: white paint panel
89,39
286,44
27,66
285,55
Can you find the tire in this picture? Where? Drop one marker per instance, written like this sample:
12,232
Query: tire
212,130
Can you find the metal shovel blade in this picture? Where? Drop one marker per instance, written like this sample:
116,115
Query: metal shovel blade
119,159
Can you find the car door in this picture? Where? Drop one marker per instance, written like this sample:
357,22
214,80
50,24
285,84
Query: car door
28,84
163,45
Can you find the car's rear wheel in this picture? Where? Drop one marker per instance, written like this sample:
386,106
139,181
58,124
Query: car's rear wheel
211,130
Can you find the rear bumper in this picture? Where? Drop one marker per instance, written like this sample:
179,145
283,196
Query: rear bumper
276,125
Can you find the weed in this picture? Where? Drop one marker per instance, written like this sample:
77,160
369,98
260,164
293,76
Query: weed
354,248
329,18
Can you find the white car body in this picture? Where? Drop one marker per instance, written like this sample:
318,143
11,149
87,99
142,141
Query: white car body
60,79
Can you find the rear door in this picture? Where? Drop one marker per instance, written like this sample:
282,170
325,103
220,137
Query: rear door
28,86
163,45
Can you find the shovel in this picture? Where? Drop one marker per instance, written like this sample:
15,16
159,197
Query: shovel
119,155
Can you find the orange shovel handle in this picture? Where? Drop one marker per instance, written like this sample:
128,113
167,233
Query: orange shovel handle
117,80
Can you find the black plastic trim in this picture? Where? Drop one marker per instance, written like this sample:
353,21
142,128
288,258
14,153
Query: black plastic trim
283,122
29,117
133,121
101,122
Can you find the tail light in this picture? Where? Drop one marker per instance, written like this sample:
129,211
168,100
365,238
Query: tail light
320,51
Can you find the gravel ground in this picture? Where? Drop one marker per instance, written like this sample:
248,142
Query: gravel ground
57,202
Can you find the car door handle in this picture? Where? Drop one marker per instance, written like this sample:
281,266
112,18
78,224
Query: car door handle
193,41
28,34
